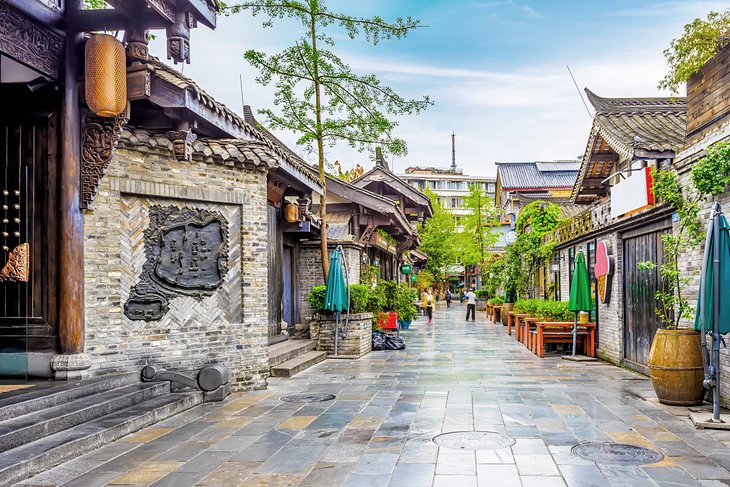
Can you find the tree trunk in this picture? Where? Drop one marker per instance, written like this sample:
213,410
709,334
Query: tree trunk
320,148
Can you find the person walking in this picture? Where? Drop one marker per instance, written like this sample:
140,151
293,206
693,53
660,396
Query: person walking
471,304
428,305
448,298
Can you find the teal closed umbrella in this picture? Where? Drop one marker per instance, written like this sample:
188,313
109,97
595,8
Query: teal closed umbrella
337,294
335,298
580,292
713,312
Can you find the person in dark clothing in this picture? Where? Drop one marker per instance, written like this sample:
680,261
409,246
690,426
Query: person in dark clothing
471,304
448,298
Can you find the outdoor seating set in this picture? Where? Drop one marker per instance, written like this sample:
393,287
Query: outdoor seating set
538,323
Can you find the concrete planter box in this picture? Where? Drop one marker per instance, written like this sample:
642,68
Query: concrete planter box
359,339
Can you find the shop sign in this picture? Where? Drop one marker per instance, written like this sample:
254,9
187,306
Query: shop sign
632,194
413,278
603,270
405,269
510,238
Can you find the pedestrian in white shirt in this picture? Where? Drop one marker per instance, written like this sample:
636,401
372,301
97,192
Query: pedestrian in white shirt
471,304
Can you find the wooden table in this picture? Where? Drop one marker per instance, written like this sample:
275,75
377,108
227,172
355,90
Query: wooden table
562,332
496,310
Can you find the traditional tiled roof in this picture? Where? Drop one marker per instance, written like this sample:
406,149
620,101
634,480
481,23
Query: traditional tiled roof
631,125
228,152
537,175
652,124
249,130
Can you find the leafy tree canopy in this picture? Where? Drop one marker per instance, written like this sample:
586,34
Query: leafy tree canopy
437,237
686,55
479,233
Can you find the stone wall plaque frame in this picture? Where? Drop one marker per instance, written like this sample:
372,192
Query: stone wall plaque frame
186,251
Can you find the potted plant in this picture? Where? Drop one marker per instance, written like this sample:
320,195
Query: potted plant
404,305
675,358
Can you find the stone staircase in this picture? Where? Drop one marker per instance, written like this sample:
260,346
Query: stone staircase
41,427
290,357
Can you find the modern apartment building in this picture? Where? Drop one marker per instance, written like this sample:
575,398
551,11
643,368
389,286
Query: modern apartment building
450,184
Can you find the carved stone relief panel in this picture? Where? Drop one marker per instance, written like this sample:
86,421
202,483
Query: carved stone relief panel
186,252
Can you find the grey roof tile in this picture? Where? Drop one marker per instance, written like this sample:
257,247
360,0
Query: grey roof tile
528,175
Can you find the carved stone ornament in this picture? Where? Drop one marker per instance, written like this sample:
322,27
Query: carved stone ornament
28,42
182,143
186,252
99,137
17,268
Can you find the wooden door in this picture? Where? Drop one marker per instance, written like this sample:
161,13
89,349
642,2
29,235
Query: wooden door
640,303
28,193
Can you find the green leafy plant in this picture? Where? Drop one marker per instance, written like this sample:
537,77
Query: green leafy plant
316,297
482,293
424,280
520,306
497,301
387,237
711,174
438,237
479,233
404,303
317,94
369,274
493,273
672,305
359,296
700,42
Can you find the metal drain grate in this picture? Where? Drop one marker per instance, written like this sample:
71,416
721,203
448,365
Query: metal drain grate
473,440
617,454
308,398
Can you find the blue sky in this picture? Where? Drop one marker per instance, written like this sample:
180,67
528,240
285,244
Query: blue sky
496,70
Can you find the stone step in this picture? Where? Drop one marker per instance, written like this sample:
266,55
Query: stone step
297,364
50,394
40,455
24,429
281,352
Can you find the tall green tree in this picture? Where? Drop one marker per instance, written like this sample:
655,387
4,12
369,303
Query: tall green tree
438,237
530,251
317,95
479,233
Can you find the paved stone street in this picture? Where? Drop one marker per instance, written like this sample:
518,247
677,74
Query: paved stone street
389,405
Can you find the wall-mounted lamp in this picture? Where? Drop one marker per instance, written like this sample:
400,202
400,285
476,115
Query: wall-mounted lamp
364,258
376,262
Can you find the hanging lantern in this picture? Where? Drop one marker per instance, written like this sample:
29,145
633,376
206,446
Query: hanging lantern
291,212
106,75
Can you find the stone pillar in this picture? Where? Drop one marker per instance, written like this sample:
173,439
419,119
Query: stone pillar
72,363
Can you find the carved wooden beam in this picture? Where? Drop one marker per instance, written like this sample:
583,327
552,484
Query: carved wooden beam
41,48
98,139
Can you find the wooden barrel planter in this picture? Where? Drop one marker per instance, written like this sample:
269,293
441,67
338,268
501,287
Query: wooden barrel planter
675,367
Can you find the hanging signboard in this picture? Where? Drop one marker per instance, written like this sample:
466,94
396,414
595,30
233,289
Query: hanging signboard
632,194
405,269
413,278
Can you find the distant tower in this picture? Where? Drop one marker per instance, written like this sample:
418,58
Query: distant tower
453,151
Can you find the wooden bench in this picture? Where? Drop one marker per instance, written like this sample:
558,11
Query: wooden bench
510,320
562,332
529,326
489,310
519,318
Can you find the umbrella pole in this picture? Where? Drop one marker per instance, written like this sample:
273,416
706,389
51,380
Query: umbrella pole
575,331
337,329
716,313
703,291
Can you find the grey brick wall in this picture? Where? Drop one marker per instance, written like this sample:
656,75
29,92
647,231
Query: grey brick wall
231,325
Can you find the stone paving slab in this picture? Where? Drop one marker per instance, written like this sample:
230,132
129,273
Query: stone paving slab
389,405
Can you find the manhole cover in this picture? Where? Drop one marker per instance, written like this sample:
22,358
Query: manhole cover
308,397
474,440
617,453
